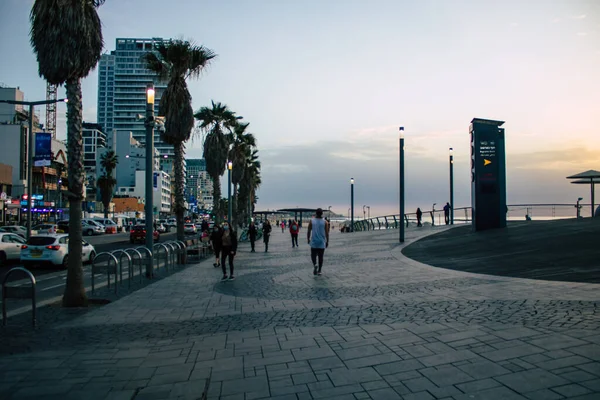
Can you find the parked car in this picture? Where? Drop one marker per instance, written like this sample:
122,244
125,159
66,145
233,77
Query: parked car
109,225
10,247
63,226
189,228
161,228
91,227
138,234
52,249
16,229
45,228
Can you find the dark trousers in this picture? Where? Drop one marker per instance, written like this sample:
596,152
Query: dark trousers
314,253
252,240
226,252
266,240
294,239
447,218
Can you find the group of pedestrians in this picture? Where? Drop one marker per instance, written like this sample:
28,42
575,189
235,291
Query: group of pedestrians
224,241
447,209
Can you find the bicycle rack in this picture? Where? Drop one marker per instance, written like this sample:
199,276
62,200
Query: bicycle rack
159,246
172,255
105,268
133,253
183,247
123,253
17,292
147,252
180,250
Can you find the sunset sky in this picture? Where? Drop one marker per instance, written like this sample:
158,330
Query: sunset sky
326,84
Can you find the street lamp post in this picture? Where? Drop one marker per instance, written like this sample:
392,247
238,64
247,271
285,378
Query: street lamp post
30,147
351,204
229,167
451,152
364,212
149,207
578,207
401,184
369,212
329,209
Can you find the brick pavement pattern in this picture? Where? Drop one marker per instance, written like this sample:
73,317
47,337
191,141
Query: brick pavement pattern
376,325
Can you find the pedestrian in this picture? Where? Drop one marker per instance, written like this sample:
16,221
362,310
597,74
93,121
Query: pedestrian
215,239
294,230
319,240
252,231
266,234
419,216
229,241
447,213
204,225
282,227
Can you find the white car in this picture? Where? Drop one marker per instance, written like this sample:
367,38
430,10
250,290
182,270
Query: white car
91,227
16,229
189,228
10,247
52,249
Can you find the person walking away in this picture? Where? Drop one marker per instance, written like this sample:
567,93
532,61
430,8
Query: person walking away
447,213
419,216
229,241
252,232
266,234
294,230
319,240
282,227
204,226
215,239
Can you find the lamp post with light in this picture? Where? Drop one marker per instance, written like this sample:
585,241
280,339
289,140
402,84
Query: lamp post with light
351,204
451,155
401,184
149,207
30,147
229,167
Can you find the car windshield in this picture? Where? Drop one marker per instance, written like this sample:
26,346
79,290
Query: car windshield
40,240
138,228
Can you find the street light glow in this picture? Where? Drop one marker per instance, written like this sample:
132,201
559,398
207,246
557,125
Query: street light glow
352,181
401,132
229,165
150,93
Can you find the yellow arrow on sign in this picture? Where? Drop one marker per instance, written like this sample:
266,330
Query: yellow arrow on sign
486,162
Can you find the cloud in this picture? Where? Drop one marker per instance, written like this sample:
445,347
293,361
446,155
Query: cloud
569,160
582,16
581,33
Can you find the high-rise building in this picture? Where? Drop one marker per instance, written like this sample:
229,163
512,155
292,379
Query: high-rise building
94,140
122,80
199,185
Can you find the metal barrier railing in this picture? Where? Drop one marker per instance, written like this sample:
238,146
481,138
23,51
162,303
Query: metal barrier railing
172,248
17,292
105,268
133,253
156,251
121,254
149,259
180,250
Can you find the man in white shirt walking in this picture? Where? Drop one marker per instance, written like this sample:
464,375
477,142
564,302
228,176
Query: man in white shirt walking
319,229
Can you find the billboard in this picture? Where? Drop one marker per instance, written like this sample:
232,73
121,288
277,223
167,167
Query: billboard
43,149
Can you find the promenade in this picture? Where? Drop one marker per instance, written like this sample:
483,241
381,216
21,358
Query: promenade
376,325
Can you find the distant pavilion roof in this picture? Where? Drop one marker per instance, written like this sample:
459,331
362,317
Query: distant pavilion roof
590,174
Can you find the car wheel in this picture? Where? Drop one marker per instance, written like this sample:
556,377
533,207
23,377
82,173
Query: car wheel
2,258
89,232
92,256
65,262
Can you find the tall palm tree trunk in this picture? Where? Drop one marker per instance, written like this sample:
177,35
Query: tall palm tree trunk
179,189
74,295
217,199
234,209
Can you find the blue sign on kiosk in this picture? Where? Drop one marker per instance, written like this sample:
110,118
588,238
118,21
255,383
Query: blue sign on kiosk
488,174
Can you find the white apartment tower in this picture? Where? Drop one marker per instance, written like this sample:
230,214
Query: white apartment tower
122,80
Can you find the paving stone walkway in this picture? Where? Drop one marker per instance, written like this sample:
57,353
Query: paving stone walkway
376,325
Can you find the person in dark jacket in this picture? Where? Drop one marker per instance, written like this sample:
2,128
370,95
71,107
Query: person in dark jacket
229,243
419,216
215,239
294,230
252,232
266,234
204,226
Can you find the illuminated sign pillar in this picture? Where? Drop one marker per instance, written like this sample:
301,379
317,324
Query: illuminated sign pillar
488,174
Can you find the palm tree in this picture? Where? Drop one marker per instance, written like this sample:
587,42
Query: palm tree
217,122
241,148
107,182
176,61
250,184
66,37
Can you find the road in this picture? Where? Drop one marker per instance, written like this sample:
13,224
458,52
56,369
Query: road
51,280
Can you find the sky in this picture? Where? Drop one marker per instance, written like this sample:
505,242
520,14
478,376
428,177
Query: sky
325,84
